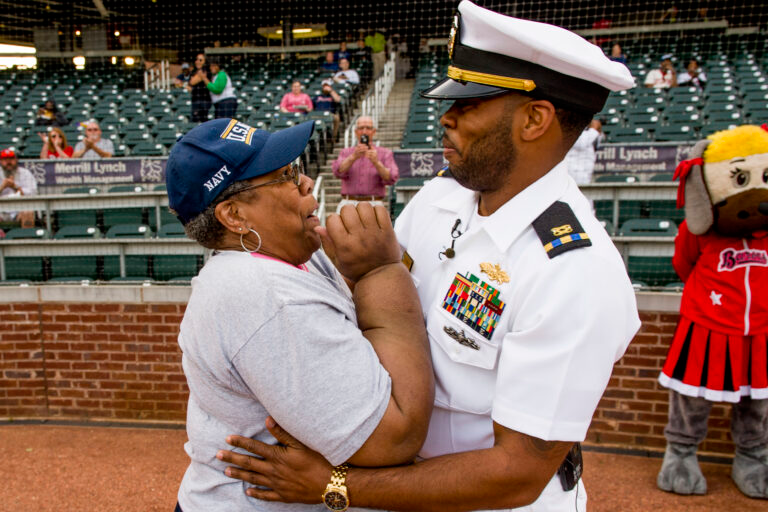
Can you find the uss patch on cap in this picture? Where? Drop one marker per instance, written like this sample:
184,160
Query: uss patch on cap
493,54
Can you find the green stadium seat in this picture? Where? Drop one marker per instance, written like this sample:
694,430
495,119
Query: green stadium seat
662,177
172,230
77,232
717,116
675,133
24,268
74,267
136,267
648,227
167,267
129,231
628,134
125,188
28,234
616,178
651,270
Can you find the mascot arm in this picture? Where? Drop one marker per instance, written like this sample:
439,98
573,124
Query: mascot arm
687,251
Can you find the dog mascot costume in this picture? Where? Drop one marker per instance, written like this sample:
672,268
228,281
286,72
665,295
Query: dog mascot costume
718,353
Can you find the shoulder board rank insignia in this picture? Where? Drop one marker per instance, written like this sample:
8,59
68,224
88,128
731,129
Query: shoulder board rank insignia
445,172
559,230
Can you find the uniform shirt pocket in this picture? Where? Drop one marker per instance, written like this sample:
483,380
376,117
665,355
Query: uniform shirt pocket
460,342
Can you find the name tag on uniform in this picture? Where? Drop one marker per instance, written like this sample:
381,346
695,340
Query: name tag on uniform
476,303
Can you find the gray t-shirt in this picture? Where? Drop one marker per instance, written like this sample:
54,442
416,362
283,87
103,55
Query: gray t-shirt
102,144
261,337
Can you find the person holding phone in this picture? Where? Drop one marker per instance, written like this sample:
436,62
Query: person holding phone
364,169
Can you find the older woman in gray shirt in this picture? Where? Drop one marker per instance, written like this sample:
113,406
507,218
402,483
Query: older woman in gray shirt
271,327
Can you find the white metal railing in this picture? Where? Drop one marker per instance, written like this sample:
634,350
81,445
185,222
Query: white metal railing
158,76
374,102
319,194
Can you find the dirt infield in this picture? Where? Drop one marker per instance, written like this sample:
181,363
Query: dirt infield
84,469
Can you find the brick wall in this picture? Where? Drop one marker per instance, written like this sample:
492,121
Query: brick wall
633,411
120,361
91,361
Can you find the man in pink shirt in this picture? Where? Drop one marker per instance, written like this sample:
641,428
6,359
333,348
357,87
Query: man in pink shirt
296,101
364,169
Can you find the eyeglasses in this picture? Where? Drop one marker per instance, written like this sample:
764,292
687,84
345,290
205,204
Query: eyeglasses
91,129
293,173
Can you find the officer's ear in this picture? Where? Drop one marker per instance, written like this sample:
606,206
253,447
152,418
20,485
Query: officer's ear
539,116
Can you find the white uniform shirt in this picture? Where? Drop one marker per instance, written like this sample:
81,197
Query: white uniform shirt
564,320
580,159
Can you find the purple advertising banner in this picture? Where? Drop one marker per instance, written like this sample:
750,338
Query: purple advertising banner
109,171
419,164
640,158
611,158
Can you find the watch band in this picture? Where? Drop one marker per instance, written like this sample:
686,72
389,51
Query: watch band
339,474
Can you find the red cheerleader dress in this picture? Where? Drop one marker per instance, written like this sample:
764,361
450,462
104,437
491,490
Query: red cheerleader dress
719,348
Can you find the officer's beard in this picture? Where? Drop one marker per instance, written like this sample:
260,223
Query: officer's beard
485,164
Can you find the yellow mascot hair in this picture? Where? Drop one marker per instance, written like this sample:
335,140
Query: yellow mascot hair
736,142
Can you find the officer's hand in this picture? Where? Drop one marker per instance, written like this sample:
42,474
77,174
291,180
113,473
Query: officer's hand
288,472
362,238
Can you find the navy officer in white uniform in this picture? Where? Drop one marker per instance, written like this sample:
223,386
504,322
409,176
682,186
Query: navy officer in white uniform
526,299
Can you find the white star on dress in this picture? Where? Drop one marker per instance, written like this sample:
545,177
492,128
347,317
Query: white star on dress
716,298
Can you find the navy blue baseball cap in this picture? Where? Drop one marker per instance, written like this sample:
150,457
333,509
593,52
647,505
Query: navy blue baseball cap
216,154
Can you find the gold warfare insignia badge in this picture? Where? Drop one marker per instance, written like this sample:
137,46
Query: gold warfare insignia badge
452,35
494,272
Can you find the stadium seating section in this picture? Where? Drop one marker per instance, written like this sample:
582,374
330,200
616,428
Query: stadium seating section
736,92
148,123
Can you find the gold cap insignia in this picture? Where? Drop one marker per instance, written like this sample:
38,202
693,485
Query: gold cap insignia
494,272
452,35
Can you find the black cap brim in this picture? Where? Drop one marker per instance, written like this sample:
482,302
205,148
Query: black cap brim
450,89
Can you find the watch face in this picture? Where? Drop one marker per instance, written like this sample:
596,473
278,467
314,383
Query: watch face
334,500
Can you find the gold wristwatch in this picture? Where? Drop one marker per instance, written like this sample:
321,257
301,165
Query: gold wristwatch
335,496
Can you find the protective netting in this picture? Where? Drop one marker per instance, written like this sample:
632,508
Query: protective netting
120,64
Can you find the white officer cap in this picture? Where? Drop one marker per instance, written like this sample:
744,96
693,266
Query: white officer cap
492,54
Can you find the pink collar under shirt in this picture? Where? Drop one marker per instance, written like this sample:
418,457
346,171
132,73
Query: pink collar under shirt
264,256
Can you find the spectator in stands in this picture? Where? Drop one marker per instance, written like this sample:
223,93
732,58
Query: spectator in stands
328,101
664,76
221,89
580,159
270,318
378,45
342,52
55,145
296,101
362,52
201,96
617,55
17,181
345,74
49,115
364,169
93,147
693,75
182,80
329,64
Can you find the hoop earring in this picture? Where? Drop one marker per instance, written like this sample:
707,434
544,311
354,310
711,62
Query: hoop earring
257,236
